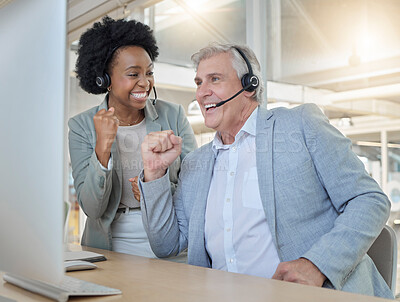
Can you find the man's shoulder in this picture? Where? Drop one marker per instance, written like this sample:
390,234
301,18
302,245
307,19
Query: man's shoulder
295,117
299,110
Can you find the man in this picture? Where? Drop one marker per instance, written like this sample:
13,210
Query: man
277,193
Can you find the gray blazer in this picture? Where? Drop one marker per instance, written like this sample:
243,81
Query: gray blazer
98,191
319,201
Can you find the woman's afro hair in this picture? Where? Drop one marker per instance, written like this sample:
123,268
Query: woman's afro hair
98,44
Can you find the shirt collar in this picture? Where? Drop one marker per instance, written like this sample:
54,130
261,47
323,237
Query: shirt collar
248,127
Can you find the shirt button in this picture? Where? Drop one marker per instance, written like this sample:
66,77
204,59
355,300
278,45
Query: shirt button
228,200
228,229
231,260
234,148
232,173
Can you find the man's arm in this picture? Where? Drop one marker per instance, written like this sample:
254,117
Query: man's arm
167,237
159,150
362,206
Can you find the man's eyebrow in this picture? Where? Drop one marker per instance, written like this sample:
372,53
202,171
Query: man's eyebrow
210,75
214,74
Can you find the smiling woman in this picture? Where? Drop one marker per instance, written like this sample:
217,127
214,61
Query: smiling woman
116,57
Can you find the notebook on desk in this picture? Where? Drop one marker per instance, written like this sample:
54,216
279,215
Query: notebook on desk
83,255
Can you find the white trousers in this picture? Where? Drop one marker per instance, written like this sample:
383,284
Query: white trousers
129,236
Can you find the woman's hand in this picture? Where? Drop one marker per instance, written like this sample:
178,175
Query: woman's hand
106,125
135,188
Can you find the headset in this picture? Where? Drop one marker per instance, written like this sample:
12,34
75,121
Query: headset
104,80
249,81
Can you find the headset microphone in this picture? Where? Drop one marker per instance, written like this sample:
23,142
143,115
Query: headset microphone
155,95
249,81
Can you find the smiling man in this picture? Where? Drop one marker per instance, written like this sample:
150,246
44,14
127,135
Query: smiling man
277,194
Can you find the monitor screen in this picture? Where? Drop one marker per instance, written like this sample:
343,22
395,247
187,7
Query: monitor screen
32,81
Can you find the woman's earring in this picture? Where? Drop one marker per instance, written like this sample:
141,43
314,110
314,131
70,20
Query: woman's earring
109,88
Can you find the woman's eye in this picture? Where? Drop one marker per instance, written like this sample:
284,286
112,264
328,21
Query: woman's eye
133,75
150,73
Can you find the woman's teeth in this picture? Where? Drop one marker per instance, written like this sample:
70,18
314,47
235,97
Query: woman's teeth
139,95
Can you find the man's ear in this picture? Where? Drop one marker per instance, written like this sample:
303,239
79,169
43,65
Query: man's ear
249,94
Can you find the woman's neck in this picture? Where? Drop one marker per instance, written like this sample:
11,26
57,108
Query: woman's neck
126,116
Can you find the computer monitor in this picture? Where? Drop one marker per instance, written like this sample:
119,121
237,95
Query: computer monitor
32,97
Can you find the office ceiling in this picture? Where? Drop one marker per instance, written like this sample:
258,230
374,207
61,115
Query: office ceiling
83,13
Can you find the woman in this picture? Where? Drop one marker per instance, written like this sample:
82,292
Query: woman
116,57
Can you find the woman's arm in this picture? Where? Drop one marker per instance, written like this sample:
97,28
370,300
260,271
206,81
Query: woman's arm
92,183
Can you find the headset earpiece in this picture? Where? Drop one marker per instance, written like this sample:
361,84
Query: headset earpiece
103,81
249,81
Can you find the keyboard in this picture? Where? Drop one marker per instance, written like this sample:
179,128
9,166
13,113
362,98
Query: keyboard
61,292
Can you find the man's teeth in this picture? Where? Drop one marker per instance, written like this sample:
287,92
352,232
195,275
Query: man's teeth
139,95
208,106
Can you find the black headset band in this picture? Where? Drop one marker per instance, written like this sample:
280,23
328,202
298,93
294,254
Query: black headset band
246,60
109,56
249,80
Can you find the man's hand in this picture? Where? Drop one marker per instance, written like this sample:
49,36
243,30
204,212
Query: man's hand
106,125
301,271
135,187
159,150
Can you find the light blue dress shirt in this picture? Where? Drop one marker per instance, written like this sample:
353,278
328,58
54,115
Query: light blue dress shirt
237,235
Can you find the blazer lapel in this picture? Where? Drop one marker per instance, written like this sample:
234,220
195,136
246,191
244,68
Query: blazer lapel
197,217
264,146
151,116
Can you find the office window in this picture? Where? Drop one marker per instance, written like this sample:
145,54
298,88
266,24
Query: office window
371,155
335,44
393,185
183,27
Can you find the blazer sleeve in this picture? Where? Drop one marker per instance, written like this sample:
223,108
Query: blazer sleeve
362,206
92,184
162,210
163,219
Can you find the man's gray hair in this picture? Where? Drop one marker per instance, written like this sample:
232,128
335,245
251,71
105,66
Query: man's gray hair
238,63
